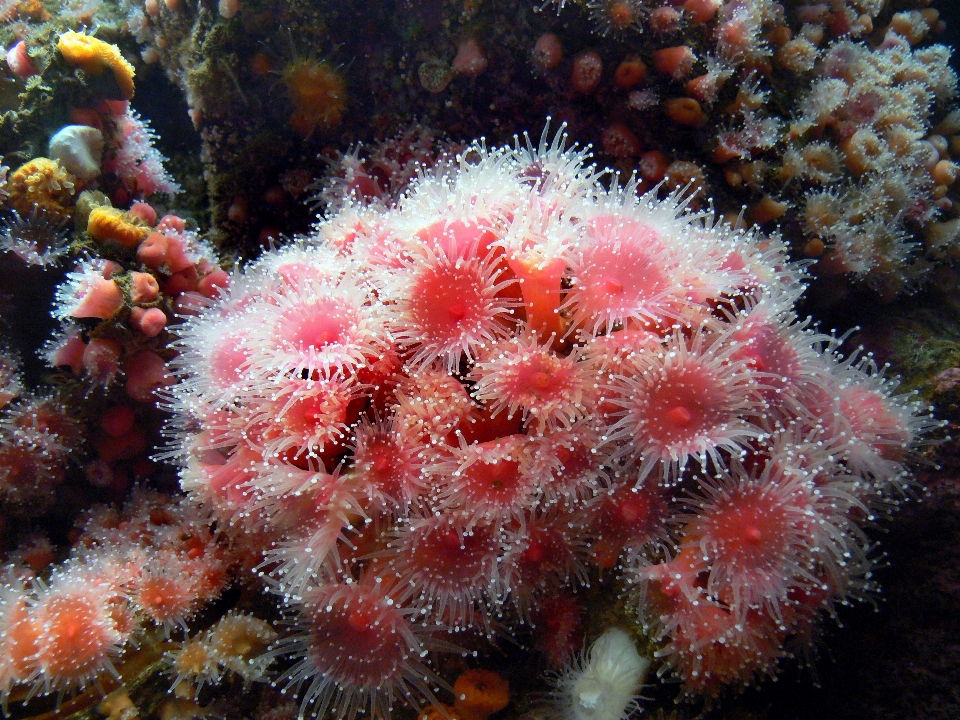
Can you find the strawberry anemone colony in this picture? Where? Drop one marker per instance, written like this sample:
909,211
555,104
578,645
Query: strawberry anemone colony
431,419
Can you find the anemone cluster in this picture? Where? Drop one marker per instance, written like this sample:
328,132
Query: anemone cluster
37,436
863,141
154,561
833,119
431,420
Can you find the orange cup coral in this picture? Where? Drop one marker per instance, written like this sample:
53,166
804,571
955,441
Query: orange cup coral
95,56
42,185
107,224
318,93
480,693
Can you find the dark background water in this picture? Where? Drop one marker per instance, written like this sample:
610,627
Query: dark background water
950,14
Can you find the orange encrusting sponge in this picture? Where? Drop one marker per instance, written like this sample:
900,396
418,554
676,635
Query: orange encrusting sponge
94,56
477,695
